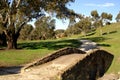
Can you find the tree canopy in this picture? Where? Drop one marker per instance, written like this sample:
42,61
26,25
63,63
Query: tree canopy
118,17
83,26
14,14
44,28
106,17
95,14
25,32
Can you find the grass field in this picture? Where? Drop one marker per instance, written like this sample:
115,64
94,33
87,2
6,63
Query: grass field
110,41
32,50
113,40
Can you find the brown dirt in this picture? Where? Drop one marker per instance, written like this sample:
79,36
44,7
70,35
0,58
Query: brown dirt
46,71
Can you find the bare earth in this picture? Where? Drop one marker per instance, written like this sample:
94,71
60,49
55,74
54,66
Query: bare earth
46,71
53,68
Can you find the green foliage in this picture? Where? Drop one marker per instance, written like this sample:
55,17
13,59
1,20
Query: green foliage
59,31
14,14
98,24
109,16
84,25
96,21
95,15
118,17
106,18
72,30
25,32
104,15
44,29
99,21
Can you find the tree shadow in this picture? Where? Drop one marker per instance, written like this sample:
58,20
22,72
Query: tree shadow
54,45
99,39
96,39
112,32
90,34
10,70
104,45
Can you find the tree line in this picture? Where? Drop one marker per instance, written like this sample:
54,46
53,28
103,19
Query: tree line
15,14
88,24
45,27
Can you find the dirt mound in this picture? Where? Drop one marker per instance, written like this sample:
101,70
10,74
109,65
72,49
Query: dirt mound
66,64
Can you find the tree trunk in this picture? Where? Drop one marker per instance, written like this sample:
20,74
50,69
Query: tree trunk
12,43
3,39
12,35
11,39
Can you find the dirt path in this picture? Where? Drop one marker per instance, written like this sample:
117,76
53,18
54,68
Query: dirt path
48,70
88,45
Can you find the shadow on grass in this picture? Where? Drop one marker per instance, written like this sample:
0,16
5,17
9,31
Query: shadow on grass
54,45
104,45
112,32
10,70
96,39
90,34
99,39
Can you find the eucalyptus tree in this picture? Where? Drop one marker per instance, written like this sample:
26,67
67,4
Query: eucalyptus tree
97,22
59,31
83,26
25,32
73,29
95,15
44,28
2,39
14,14
118,17
106,18
95,18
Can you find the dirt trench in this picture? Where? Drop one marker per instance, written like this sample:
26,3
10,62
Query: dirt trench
66,64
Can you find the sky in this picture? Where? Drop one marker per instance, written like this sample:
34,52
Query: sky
86,6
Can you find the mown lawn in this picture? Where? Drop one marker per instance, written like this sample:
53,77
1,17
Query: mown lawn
114,46
110,42
31,50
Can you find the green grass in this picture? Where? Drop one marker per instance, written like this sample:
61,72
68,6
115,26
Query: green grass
31,50
109,42
49,44
19,57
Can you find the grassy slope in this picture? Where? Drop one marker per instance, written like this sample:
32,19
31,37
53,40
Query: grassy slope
110,42
113,40
32,50
35,49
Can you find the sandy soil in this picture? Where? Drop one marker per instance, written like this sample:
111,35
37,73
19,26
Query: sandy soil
46,71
